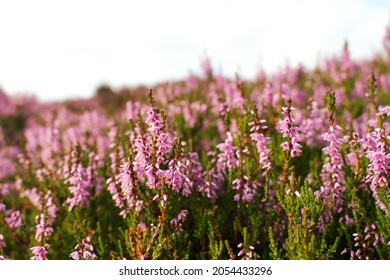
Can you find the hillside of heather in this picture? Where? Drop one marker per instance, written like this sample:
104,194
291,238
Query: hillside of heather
289,165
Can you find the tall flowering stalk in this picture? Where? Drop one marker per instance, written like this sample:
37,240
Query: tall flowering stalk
161,144
80,181
143,147
44,230
291,145
195,173
262,142
332,174
378,153
227,158
214,177
123,188
175,176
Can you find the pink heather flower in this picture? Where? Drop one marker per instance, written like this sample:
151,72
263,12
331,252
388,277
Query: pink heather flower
214,178
142,226
270,98
246,190
121,187
39,253
83,251
261,144
379,166
43,228
42,143
286,128
227,156
233,97
75,255
332,174
155,122
13,219
246,251
46,204
364,243
143,148
177,221
351,159
51,208
127,181
152,178
115,193
163,146
162,140
195,171
80,181
175,177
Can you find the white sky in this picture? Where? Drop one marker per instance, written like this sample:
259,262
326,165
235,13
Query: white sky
61,49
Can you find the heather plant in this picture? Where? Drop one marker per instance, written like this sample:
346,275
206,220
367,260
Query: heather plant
293,165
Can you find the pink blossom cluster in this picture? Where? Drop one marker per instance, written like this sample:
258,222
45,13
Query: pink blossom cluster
246,252
83,250
227,158
143,148
155,122
214,177
313,126
80,182
262,143
245,190
43,228
288,130
364,244
175,177
13,219
195,173
39,252
122,188
177,222
332,174
377,151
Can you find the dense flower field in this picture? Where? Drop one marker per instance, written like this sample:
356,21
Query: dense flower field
294,165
